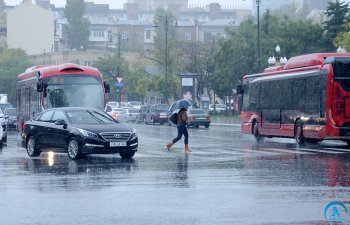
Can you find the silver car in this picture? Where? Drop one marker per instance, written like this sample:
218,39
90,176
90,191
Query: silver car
3,130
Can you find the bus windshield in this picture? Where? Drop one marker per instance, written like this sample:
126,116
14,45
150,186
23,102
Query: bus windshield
73,91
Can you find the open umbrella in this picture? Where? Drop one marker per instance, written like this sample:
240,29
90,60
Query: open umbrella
182,103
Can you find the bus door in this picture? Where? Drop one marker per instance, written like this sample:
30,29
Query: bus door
270,108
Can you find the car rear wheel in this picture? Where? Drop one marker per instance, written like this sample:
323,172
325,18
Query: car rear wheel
73,150
5,139
127,154
32,148
207,126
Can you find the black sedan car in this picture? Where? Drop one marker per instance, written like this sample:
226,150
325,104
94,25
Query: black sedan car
78,131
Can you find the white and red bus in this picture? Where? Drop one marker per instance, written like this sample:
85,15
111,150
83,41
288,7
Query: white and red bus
66,85
307,99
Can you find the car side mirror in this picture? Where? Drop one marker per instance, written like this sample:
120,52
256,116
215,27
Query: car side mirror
7,116
61,122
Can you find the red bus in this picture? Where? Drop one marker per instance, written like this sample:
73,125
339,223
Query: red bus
66,85
307,99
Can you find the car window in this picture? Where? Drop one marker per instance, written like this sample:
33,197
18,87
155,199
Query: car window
89,117
10,111
46,116
59,115
197,111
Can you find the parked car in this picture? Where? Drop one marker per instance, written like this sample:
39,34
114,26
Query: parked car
113,104
198,117
157,114
141,118
11,120
78,131
135,104
130,115
218,107
116,113
3,106
3,128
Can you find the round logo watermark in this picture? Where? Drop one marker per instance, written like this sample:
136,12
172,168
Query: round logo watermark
335,211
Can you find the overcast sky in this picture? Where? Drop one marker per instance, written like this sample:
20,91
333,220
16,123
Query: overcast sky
118,4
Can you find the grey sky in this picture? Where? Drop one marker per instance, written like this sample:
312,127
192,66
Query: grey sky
117,4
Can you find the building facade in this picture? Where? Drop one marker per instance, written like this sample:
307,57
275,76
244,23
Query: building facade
31,28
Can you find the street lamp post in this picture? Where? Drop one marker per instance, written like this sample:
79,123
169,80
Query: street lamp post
277,61
167,19
258,25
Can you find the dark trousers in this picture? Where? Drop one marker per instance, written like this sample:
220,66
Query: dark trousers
181,130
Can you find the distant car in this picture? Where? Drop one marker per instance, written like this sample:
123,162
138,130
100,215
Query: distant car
135,104
198,117
116,113
141,118
3,106
78,131
130,115
114,104
125,105
157,114
218,107
3,128
12,117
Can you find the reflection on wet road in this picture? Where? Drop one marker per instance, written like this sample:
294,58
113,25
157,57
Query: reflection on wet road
227,179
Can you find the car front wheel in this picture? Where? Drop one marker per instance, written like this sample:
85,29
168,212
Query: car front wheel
73,148
126,154
32,149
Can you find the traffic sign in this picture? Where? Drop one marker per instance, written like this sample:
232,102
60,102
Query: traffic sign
119,85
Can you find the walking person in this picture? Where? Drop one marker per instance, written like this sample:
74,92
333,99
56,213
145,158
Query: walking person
181,130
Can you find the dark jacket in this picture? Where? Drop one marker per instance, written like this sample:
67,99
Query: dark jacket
182,117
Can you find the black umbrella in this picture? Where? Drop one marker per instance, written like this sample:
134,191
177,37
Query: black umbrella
183,103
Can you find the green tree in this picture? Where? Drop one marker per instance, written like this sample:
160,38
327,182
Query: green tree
108,66
12,63
338,15
165,54
78,26
343,39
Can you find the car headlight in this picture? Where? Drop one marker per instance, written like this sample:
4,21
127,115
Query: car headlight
87,133
133,134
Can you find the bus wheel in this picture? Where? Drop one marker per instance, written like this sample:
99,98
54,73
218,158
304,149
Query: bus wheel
298,135
255,132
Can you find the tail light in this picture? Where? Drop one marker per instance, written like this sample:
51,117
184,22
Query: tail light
209,118
24,126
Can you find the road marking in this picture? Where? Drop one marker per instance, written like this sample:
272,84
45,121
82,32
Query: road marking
319,150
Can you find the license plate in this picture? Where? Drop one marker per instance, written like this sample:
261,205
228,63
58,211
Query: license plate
117,144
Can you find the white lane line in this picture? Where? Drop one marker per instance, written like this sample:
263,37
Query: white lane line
318,150
287,151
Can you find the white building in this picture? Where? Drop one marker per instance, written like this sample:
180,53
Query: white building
31,28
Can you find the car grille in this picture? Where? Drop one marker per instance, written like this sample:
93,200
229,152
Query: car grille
116,136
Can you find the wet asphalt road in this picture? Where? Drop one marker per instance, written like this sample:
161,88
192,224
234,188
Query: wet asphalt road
226,179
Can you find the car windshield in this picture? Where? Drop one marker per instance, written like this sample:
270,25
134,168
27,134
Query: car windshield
161,108
196,111
133,110
10,112
89,117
